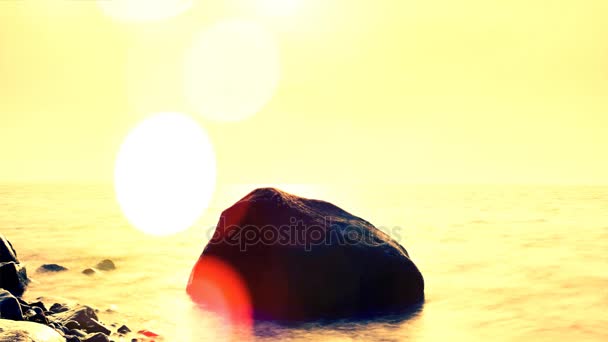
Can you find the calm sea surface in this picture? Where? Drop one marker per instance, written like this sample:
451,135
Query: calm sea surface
500,263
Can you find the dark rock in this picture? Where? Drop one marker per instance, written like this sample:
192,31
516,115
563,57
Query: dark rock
82,314
94,326
7,252
35,314
106,265
97,337
39,305
13,277
72,325
58,307
123,330
89,271
72,338
86,318
9,307
303,259
51,268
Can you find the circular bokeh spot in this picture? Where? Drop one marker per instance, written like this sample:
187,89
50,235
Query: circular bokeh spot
231,71
165,174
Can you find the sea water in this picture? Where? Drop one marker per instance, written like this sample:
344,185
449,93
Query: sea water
500,263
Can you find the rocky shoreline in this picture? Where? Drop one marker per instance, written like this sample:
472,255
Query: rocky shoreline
38,321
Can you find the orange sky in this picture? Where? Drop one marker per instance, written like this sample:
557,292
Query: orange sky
433,91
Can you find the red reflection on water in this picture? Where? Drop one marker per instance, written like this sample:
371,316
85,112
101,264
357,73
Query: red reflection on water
217,287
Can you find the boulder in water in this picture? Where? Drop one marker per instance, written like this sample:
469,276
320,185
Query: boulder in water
51,268
90,271
303,259
106,265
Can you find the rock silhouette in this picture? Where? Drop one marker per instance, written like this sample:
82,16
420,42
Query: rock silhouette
51,268
13,275
304,259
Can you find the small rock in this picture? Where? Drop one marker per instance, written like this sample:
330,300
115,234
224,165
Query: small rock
89,271
112,308
58,308
72,325
9,306
123,330
97,337
94,326
35,314
106,265
39,305
51,268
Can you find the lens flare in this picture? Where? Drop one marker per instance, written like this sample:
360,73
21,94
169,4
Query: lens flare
165,174
279,7
232,71
144,10
217,287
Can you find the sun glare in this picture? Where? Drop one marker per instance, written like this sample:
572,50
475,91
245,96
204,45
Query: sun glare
165,174
231,71
144,10
279,7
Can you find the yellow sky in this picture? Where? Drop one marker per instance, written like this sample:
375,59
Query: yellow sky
403,91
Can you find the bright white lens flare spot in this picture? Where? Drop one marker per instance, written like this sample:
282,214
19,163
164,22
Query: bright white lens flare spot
165,174
144,10
232,71
279,7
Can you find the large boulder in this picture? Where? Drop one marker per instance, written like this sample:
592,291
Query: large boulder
303,259
13,331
